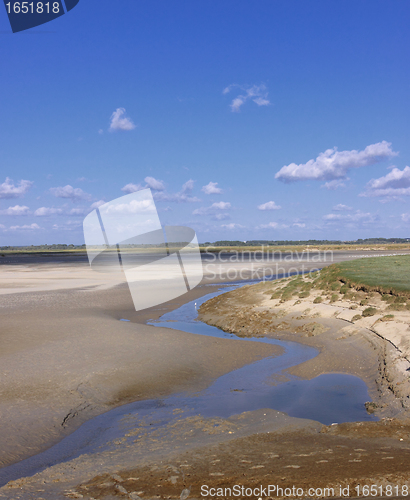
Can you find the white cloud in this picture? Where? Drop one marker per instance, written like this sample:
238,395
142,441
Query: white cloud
78,211
221,216
335,184
9,190
16,210
299,224
341,208
30,227
184,196
212,188
270,225
395,183
132,188
232,225
214,208
74,194
151,183
357,217
270,205
2,226
405,217
46,211
257,93
334,165
97,204
68,226
154,184
133,207
120,122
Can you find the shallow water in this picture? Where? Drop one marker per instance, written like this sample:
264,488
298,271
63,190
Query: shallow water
329,398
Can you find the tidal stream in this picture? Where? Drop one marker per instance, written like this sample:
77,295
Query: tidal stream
329,398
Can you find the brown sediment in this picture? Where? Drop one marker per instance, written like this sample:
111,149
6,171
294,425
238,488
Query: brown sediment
66,358
261,447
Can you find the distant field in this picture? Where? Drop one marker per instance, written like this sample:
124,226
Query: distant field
234,248
383,274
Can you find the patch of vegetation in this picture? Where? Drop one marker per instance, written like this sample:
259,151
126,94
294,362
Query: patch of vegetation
335,286
344,289
318,300
388,275
334,297
303,295
277,294
356,317
369,311
364,302
397,307
387,317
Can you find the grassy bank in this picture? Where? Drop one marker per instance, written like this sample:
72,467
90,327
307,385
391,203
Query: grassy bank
389,275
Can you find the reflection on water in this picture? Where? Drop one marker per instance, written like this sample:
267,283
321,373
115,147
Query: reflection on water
329,398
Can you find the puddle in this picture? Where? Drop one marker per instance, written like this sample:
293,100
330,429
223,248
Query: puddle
329,398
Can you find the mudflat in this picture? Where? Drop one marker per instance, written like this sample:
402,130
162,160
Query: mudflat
67,357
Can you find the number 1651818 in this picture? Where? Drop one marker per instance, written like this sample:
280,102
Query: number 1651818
33,7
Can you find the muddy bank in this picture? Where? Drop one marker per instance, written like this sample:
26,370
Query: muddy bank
345,346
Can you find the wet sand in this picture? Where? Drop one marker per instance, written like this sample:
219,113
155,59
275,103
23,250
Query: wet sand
66,357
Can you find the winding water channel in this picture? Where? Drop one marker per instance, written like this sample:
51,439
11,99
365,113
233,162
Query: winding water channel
328,398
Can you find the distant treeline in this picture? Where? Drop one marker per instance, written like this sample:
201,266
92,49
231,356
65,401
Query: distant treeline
255,243
32,248
224,243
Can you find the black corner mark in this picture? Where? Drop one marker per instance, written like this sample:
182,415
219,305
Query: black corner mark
24,15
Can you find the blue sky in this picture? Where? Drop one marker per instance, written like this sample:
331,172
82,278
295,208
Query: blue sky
220,107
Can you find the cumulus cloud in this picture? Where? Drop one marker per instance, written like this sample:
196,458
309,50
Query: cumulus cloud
183,196
16,210
47,211
132,188
154,184
30,227
270,205
395,183
257,93
212,188
151,183
405,217
68,192
120,122
341,208
334,165
97,204
214,208
299,224
9,190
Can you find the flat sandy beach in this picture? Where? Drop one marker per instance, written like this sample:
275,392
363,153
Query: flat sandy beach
66,357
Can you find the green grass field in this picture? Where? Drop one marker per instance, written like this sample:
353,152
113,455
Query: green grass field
382,274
